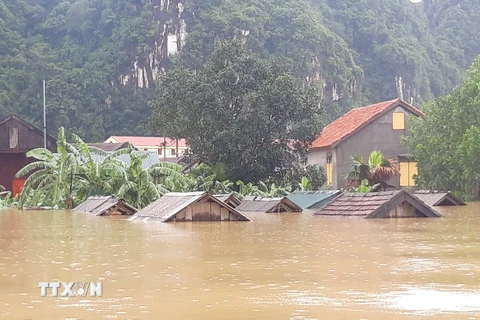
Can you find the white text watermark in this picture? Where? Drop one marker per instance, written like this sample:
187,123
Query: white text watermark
71,289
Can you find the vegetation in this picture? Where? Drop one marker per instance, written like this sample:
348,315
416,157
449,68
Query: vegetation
240,111
371,175
446,142
6,199
100,58
64,179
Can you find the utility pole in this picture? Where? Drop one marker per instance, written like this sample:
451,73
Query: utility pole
44,117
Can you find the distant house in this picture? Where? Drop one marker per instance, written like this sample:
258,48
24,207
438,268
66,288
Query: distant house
229,199
438,198
105,206
360,131
109,146
192,206
386,204
269,205
17,137
313,199
164,147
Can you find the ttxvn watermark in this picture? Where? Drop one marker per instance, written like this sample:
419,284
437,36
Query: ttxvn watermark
71,289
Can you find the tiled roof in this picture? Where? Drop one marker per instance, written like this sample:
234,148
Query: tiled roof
374,204
355,119
438,198
149,141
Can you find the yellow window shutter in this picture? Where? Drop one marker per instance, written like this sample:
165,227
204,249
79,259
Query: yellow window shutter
398,121
329,173
404,176
412,170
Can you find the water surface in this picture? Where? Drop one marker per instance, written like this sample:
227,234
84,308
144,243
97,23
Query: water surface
279,266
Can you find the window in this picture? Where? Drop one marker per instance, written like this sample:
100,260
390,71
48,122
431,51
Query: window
13,138
408,169
159,150
172,152
398,121
329,170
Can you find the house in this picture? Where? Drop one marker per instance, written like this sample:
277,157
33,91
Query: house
386,204
360,131
269,205
104,206
164,147
17,137
438,198
109,146
229,199
193,206
312,199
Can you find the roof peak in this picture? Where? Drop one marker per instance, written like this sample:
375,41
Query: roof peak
354,120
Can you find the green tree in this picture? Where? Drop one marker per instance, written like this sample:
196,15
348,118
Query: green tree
239,110
444,140
50,181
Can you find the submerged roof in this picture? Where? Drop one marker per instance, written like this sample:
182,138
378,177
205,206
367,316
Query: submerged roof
375,204
150,141
98,205
259,204
312,199
229,199
438,198
356,119
166,207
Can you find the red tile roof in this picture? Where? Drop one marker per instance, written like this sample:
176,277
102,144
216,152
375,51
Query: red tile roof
150,141
354,120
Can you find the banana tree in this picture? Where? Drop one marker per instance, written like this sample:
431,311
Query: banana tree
50,177
140,186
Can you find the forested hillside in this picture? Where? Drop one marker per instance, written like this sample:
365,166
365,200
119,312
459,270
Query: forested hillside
101,58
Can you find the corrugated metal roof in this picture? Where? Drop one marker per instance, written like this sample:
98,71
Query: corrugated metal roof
312,199
259,204
166,207
99,205
438,198
373,204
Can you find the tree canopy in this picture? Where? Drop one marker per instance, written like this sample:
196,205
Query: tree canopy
239,110
446,141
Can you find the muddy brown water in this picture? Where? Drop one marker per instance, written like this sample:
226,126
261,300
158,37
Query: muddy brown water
279,266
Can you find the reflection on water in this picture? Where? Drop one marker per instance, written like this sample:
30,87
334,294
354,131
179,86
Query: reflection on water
280,266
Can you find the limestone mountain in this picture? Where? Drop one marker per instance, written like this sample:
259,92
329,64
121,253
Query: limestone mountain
101,58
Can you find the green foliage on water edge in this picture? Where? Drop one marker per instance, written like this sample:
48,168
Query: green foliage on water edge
76,171
446,141
100,58
6,199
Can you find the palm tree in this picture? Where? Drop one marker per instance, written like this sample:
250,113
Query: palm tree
377,171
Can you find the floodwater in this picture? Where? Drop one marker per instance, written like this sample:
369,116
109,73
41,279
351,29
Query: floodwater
279,266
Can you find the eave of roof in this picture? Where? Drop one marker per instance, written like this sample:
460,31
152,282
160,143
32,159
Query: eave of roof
330,138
